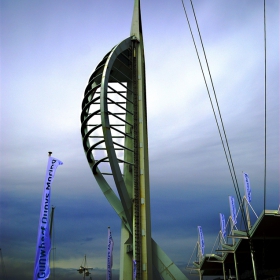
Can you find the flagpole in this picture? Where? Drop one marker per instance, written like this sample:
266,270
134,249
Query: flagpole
52,212
245,198
233,243
224,270
247,212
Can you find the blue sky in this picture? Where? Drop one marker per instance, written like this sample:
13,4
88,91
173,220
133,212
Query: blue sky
49,50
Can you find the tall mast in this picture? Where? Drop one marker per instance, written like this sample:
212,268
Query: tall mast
142,247
136,26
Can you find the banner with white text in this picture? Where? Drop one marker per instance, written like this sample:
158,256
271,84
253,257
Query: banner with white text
223,225
247,187
232,210
41,266
134,269
201,240
109,255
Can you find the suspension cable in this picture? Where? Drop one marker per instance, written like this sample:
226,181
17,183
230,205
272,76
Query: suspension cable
207,89
222,123
264,188
264,183
226,149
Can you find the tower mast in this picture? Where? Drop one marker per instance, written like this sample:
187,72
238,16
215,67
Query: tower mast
142,247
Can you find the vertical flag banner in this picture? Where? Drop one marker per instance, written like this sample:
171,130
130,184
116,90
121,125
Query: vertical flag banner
247,187
109,255
41,266
201,240
134,269
223,225
232,209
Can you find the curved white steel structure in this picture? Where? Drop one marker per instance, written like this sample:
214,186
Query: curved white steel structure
115,141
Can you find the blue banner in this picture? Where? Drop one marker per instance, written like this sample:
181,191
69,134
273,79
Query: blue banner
232,210
134,270
247,187
201,240
223,224
109,255
41,265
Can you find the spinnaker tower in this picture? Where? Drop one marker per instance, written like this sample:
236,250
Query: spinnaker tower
115,140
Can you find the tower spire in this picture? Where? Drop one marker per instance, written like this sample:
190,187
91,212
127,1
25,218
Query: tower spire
136,25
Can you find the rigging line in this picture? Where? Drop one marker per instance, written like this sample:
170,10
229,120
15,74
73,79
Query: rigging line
264,194
235,184
237,187
53,248
264,188
209,94
232,165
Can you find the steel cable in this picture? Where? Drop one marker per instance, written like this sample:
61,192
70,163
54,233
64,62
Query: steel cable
264,195
264,187
226,149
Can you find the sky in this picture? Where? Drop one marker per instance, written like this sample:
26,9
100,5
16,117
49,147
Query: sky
49,50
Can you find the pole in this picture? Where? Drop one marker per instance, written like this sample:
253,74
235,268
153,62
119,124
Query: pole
252,257
85,266
235,266
234,255
51,221
224,270
247,213
200,275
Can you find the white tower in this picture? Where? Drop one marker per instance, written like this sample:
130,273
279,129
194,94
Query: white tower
115,140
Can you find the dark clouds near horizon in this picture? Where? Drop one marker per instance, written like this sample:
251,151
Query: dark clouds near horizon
48,51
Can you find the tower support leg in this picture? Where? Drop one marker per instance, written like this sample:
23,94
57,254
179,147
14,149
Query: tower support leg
125,254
